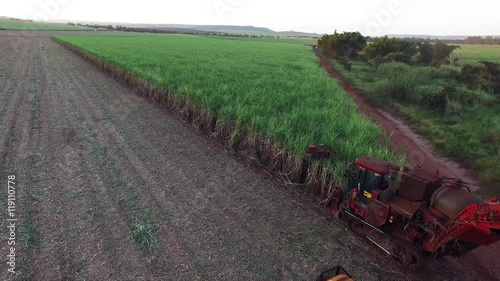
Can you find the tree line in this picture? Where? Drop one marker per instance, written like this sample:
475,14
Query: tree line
478,40
173,30
347,46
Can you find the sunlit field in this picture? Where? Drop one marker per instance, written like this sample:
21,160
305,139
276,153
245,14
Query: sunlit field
271,88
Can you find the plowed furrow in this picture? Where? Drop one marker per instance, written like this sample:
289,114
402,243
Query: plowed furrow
115,236
221,224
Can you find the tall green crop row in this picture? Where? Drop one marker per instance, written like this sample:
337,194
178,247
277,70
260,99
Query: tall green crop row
274,90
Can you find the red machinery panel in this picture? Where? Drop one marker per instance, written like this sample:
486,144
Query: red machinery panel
377,212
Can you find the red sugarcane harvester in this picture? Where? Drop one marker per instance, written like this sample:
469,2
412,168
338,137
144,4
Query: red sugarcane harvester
421,213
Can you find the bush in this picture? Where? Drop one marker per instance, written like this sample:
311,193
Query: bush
426,53
485,77
491,133
400,80
470,75
445,72
345,62
446,101
423,73
435,54
442,53
453,108
343,47
452,100
393,69
436,100
469,97
385,49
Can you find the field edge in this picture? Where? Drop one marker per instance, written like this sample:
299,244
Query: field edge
318,176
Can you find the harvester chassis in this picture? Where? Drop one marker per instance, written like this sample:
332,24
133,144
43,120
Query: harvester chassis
401,250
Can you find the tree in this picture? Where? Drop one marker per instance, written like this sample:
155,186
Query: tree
342,46
385,49
491,75
485,77
442,52
480,40
426,51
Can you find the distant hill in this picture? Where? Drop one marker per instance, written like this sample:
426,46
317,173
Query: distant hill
230,29
235,28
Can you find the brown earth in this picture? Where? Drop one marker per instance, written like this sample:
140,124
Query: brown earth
92,160
420,155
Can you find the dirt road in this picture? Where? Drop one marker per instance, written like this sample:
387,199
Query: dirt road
94,162
420,154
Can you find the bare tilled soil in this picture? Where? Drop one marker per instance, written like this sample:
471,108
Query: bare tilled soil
95,164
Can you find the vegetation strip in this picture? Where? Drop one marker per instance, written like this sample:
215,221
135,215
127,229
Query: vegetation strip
450,94
270,99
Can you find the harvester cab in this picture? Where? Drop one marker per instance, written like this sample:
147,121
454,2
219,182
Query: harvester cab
368,175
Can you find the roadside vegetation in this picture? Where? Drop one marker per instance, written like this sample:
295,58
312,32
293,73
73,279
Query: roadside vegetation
448,93
268,98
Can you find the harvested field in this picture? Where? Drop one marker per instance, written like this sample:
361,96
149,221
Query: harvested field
96,165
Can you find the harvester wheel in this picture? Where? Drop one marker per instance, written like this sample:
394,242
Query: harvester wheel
407,254
358,227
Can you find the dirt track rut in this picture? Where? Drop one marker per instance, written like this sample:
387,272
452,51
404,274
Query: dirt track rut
92,159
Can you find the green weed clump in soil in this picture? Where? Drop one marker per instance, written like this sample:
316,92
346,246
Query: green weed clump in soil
271,96
144,235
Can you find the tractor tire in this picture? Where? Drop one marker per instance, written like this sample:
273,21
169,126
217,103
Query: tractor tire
356,226
406,253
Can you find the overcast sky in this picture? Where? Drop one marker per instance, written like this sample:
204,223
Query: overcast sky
370,17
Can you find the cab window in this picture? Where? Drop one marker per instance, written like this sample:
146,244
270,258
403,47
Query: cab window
370,182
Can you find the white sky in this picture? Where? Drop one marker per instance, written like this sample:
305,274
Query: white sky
370,17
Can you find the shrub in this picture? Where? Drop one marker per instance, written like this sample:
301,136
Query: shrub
392,69
491,133
470,75
423,73
385,49
436,101
426,53
485,77
400,80
435,54
343,47
442,53
453,108
345,62
445,72
469,98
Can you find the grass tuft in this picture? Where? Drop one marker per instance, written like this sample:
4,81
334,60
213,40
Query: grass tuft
143,235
